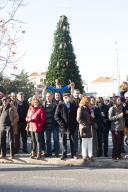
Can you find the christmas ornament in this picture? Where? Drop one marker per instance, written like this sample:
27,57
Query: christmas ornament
61,46
57,64
66,63
64,28
65,44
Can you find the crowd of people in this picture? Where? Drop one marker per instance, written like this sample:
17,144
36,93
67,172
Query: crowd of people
64,114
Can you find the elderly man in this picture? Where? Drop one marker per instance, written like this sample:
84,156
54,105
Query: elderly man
8,125
65,115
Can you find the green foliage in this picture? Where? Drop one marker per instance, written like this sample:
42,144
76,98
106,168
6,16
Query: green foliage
62,64
19,84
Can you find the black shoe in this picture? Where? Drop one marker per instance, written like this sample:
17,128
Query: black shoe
47,155
105,155
123,151
25,151
63,157
99,154
56,155
16,152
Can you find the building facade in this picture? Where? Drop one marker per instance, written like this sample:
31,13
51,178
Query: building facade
38,79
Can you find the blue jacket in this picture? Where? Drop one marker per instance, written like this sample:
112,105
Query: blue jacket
60,90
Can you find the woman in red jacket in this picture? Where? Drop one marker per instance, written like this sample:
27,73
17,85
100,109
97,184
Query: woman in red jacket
36,121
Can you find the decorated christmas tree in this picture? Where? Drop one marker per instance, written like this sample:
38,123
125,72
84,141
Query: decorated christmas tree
63,65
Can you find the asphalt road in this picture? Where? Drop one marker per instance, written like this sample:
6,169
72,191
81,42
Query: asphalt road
38,178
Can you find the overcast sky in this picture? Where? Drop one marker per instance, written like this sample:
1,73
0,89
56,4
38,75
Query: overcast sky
95,26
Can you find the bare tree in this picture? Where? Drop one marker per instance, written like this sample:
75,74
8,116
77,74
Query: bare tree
11,33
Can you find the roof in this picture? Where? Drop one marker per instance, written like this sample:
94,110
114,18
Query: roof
38,74
103,80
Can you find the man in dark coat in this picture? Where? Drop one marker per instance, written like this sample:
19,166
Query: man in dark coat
8,126
65,115
22,109
76,101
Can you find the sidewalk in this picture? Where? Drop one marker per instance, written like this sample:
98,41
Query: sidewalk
98,163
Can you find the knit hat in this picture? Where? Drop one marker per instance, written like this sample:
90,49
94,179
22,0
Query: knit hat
66,94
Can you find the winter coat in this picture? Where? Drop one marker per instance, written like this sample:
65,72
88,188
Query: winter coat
125,112
36,119
116,118
13,116
50,111
66,118
98,118
22,111
84,120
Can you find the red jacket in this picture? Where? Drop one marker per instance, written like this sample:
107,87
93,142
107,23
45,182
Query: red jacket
36,118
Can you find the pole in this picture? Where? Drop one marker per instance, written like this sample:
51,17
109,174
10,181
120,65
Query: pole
117,64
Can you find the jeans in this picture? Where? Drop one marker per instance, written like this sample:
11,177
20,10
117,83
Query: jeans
43,141
99,140
3,134
76,138
105,139
72,144
23,133
117,140
48,132
36,141
56,140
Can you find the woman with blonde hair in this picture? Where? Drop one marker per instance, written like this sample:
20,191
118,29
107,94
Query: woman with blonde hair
85,127
36,121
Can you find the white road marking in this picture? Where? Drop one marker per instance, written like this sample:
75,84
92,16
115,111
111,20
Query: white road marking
55,178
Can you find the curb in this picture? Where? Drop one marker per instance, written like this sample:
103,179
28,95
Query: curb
97,163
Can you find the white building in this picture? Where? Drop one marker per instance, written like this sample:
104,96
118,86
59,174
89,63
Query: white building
38,79
103,86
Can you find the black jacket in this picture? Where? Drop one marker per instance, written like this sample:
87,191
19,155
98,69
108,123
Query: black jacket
66,118
125,112
98,117
22,111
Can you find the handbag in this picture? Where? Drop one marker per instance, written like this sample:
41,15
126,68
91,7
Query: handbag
83,130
